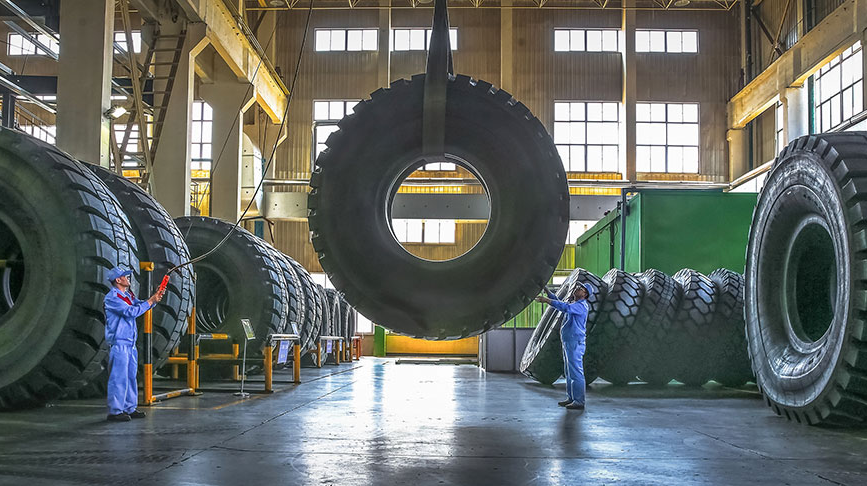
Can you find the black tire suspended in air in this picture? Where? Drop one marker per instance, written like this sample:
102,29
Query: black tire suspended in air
498,140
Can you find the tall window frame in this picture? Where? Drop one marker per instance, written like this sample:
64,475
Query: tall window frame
587,135
667,41
586,40
346,40
201,141
838,89
403,39
326,115
668,137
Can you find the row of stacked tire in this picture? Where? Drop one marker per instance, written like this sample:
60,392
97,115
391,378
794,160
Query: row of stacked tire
651,327
65,224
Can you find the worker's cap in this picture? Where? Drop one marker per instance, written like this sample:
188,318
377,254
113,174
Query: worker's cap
589,288
118,272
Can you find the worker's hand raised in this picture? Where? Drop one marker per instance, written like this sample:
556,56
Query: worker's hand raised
539,298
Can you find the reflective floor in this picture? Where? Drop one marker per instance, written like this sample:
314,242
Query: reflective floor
375,422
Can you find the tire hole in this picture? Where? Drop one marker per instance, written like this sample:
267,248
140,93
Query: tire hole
12,276
811,283
211,306
439,232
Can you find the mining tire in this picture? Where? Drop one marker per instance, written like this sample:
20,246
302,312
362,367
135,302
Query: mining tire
694,326
242,279
158,240
655,325
66,231
543,356
594,341
729,356
358,175
312,308
805,281
619,337
293,286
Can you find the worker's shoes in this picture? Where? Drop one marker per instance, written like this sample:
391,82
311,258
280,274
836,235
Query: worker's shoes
575,406
119,417
564,402
136,414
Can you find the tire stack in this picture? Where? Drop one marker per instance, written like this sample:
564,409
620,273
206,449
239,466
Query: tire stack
651,327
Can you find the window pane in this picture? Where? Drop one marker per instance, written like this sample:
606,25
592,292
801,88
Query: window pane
447,231
576,41
847,104
561,40
431,231
335,110
453,38
320,110
594,111
207,132
642,112
350,106
323,40
369,40
657,41
857,97
577,111
675,159
561,132
413,231
675,112
577,133
643,134
609,111
401,40
610,133
416,40
642,158
609,40
610,161
353,40
690,159
577,159
673,42
657,159
657,112
338,40
447,166
399,226
561,111
642,41
563,150
595,132
690,112
594,40
594,158
690,42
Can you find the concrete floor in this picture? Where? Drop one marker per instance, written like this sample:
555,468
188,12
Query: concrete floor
377,422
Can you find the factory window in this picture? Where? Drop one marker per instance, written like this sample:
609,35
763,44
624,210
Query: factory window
201,153
131,147
672,41
120,40
20,45
780,123
424,230
46,133
346,40
838,89
587,135
417,39
576,229
586,40
363,325
442,166
667,137
326,114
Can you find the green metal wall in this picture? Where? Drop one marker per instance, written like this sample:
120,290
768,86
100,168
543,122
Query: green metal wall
669,230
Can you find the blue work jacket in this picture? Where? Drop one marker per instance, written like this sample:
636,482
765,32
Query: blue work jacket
574,329
121,309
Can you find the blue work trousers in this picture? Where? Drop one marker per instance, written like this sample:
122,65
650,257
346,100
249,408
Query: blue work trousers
122,387
573,364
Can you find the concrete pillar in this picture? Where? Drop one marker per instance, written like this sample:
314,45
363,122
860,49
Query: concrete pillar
506,47
738,156
630,89
84,79
384,54
171,172
228,98
796,112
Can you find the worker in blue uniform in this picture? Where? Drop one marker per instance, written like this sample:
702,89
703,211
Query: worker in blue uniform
572,334
121,310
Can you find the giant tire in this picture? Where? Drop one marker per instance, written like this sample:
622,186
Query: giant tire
694,321
293,289
506,148
67,228
312,308
616,322
655,324
731,362
158,240
242,279
805,281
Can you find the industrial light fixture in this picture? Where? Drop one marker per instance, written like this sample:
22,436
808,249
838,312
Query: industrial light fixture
681,3
115,112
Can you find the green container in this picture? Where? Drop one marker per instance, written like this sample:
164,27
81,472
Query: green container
672,229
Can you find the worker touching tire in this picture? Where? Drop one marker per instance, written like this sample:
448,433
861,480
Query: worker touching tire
572,335
121,310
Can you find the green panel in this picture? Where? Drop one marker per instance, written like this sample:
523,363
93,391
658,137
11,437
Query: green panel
379,341
702,230
598,249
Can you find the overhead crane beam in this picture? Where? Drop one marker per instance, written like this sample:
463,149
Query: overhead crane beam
239,49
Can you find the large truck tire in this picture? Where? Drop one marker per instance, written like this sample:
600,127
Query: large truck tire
357,178
543,356
312,313
619,337
594,343
293,285
655,324
806,276
694,321
158,240
64,230
242,279
729,353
